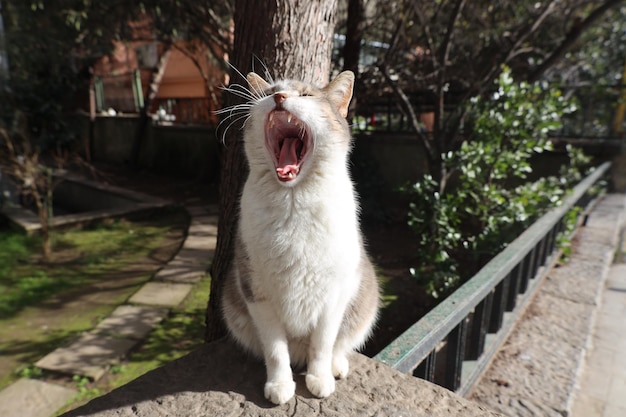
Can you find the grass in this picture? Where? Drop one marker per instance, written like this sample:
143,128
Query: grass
105,248
35,317
94,270
177,335
180,333
21,284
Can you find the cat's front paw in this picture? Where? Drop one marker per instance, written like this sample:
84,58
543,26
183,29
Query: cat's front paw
321,386
280,392
341,366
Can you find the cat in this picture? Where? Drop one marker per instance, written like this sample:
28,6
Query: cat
301,289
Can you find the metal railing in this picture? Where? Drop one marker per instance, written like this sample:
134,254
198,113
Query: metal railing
453,343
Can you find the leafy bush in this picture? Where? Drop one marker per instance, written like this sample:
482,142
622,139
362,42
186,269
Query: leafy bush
41,45
489,200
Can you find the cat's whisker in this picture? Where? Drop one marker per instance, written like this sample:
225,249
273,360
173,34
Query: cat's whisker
240,87
233,121
230,114
240,92
258,93
248,95
225,124
245,120
229,120
251,95
236,70
266,71
243,107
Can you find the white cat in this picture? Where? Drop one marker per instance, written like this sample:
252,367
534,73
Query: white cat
301,289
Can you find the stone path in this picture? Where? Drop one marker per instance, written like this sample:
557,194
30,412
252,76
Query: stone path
32,398
92,354
538,369
601,391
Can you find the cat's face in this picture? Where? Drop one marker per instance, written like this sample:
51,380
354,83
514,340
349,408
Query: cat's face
292,125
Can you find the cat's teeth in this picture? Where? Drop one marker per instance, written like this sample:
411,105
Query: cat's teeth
271,118
289,118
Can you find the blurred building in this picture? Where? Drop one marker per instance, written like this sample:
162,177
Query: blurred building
188,91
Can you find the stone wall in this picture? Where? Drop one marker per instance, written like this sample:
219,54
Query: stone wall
183,151
188,151
113,138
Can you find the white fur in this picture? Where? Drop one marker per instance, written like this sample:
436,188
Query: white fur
302,239
303,242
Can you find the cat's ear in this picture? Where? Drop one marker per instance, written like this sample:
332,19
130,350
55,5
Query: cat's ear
257,84
339,91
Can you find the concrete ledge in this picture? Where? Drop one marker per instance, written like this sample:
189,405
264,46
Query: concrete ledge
89,200
221,380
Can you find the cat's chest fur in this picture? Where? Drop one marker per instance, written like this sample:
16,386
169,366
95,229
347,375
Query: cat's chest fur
303,246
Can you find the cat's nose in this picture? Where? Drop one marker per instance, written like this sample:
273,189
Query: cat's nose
279,98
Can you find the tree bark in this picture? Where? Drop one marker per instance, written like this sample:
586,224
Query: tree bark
355,29
292,39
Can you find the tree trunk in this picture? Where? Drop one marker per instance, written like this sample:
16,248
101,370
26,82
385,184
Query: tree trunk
45,236
293,39
44,219
355,28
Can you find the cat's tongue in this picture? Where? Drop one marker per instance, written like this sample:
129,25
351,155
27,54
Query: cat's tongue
288,168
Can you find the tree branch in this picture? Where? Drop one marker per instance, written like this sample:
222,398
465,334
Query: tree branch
426,31
572,37
406,104
440,138
450,30
522,35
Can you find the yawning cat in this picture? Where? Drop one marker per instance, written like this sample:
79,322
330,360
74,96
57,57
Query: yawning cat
301,289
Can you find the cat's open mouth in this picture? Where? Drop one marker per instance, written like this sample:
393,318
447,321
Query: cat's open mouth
288,140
